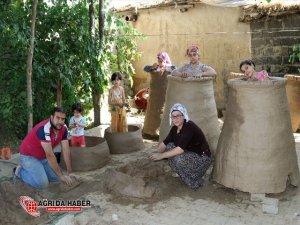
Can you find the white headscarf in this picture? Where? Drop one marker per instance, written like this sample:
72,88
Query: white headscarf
180,108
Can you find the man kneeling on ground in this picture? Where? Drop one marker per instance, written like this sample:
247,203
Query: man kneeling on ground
38,164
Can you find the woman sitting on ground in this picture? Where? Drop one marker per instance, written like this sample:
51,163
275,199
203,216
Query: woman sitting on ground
185,147
195,68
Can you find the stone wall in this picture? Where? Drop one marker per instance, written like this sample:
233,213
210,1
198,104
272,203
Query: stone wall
272,39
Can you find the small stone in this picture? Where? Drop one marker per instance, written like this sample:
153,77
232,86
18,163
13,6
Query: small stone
270,205
271,209
114,217
270,201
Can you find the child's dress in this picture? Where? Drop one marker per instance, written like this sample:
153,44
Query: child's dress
77,133
118,114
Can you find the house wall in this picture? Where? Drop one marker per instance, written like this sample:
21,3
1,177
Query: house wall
272,41
223,40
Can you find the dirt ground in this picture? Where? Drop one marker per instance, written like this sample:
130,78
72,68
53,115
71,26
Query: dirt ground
132,190
128,180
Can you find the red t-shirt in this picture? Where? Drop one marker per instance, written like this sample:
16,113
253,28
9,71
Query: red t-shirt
42,132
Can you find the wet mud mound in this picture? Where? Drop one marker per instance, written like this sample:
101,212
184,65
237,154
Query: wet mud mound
141,179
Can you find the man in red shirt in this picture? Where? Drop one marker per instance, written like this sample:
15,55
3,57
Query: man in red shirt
38,164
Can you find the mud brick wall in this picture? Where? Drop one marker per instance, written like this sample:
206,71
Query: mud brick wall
271,43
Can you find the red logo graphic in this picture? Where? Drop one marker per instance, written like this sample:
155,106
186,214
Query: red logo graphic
29,205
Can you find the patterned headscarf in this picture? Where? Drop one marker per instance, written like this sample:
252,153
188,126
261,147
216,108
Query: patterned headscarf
165,58
192,48
180,108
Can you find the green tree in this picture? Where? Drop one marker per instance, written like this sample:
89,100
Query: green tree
14,33
68,63
29,66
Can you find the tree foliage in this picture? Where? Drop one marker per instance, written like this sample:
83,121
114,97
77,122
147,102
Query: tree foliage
295,55
63,51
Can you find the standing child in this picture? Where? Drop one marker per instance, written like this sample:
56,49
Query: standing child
77,123
247,67
116,101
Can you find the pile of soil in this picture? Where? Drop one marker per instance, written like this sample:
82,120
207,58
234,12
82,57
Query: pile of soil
141,179
148,182
139,182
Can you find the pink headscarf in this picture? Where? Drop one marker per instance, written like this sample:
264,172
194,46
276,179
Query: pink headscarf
192,48
165,58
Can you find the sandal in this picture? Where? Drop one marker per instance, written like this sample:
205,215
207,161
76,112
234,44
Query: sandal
174,174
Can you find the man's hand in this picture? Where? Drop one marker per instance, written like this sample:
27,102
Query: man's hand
66,179
73,175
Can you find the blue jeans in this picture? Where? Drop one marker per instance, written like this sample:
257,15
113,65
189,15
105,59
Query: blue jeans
35,172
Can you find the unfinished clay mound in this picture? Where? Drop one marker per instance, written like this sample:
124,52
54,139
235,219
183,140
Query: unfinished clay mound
94,156
197,95
256,150
142,179
156,101
120,143
293,94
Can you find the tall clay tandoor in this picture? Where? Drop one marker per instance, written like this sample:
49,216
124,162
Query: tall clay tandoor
256,150
156,101
293,94
197,95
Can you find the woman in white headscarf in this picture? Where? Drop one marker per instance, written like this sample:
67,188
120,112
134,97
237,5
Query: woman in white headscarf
185,147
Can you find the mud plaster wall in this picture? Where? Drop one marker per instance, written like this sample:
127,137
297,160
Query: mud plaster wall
222,39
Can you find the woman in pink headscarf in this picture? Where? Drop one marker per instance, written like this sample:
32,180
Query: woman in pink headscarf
163,64
195,68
